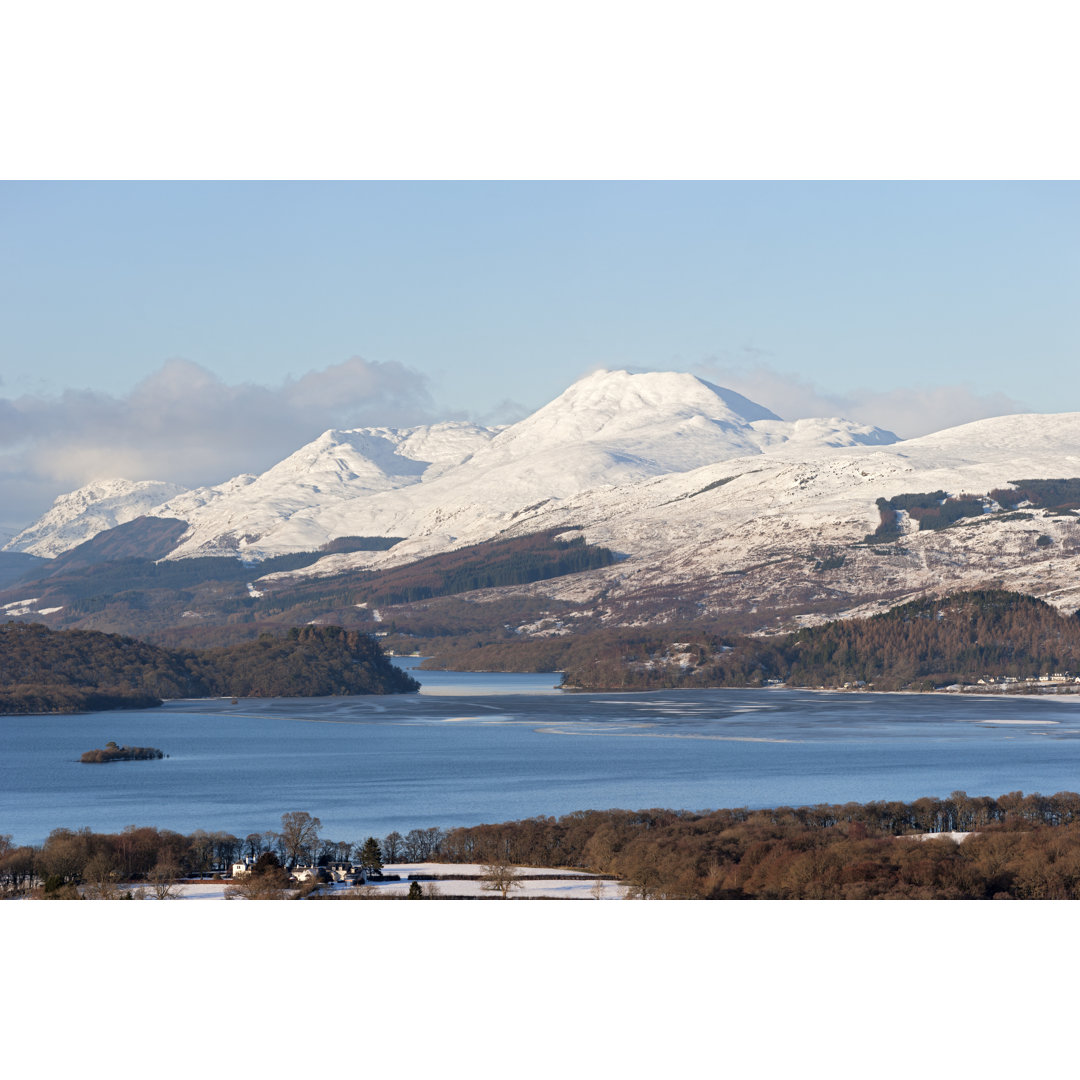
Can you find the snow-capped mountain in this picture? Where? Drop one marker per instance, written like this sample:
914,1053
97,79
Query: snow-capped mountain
436,482
312,496
765,534
717,504
609,429
82,514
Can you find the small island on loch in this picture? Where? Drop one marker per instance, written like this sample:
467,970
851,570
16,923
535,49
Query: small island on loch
112,752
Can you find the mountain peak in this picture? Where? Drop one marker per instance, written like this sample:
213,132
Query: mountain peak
662,390
614,405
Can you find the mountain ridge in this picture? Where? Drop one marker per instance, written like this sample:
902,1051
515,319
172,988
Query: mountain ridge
607,429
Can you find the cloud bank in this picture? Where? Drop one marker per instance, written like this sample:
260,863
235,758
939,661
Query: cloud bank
184,424
907,411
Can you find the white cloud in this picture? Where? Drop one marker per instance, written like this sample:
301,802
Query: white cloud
183,423
908,411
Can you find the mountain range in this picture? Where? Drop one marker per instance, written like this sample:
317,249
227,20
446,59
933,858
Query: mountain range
713,506
607,430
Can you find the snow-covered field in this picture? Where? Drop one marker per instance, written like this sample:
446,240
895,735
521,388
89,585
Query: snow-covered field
537,883
955,837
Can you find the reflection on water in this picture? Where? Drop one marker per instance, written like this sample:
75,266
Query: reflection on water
474,748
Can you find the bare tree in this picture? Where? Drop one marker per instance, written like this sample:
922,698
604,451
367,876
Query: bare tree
299,833
500,877
100,875
643,876
421,844
434,837
202,850
163,880
414,846
392,846
226,847
17,866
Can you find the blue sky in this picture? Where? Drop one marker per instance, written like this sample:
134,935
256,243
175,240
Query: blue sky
912,305
513,290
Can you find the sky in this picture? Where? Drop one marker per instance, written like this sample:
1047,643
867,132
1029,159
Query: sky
193,330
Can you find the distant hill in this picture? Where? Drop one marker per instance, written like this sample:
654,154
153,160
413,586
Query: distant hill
143,538
44,671
988,635
16,564
922,645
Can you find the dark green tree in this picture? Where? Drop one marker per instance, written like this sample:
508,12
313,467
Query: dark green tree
265,863
371,857
415,892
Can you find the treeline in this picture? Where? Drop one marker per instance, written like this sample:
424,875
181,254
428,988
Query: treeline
492,564
120,568
44,670
1022,847
81,587
1058,494
932,510
344,544
71,860
939,510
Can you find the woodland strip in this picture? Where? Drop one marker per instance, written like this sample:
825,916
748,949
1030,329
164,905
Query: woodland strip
1016,847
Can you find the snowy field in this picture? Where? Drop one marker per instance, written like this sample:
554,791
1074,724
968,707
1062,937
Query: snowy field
537,883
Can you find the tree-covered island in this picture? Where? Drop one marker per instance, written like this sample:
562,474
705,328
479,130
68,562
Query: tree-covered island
112,752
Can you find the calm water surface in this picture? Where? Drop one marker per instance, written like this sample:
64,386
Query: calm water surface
472,748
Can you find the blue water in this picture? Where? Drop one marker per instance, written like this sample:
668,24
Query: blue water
473,748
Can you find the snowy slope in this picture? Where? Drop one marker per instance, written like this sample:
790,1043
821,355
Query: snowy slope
608,429
752,534
435,484
279,510
82,514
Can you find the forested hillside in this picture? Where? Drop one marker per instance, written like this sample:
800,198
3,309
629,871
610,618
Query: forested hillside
204,602
921,645
930,643
43,670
